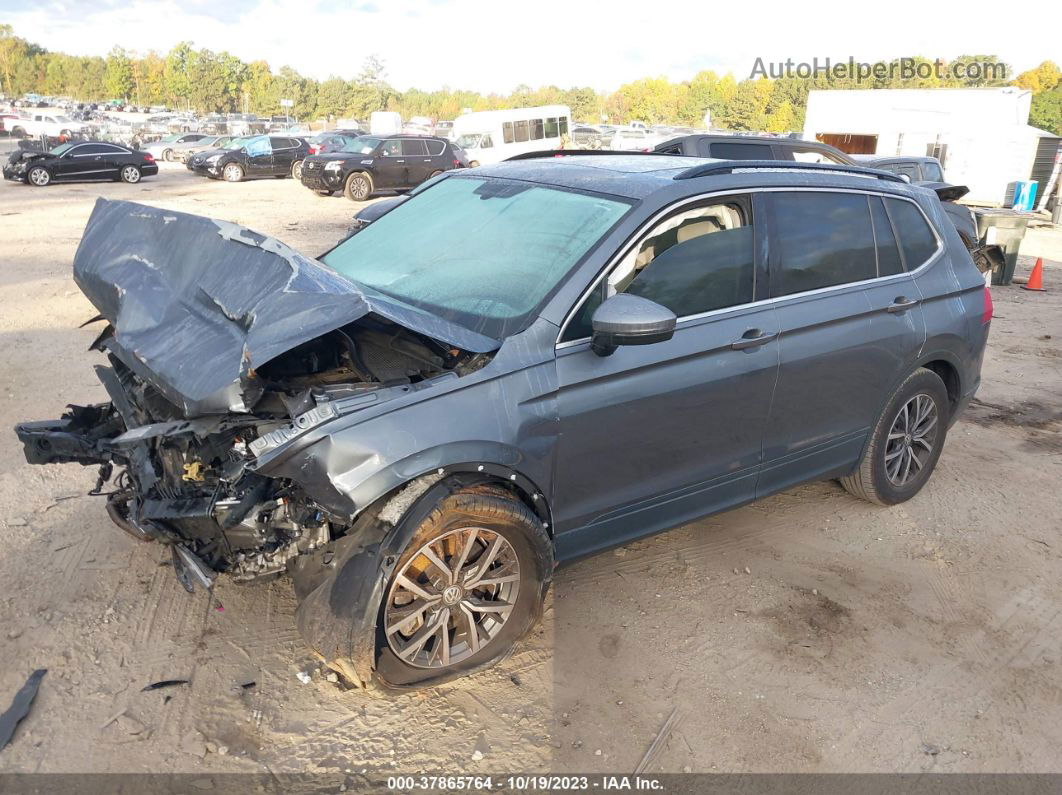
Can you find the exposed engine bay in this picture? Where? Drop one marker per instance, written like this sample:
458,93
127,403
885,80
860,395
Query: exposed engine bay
191,482
222,345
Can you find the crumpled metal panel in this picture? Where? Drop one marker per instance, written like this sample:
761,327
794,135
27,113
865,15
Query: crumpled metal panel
198,303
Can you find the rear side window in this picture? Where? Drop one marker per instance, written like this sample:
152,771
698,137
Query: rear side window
823,239
917,240
436,147
889,262
414,148
731,151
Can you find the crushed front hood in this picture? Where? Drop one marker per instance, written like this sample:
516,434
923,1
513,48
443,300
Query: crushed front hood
197,304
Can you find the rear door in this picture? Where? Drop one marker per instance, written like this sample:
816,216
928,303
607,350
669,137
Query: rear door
284,151
655,435
841,348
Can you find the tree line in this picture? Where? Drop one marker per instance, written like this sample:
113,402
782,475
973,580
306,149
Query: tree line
206,82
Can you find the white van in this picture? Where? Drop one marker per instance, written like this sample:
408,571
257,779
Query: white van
385,122
491,136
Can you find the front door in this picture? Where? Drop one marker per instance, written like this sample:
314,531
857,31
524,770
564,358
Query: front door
841,351
653,436
390,165
259,157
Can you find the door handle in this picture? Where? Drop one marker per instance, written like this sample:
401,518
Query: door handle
901,305
753,338
400,161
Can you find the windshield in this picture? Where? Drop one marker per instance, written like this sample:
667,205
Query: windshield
62,119
168,139
470,141
361,145
60,149
236,143
480,253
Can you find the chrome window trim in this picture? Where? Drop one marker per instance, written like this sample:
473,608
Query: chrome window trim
648,225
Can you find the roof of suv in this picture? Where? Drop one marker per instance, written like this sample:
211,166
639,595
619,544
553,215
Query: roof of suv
636,176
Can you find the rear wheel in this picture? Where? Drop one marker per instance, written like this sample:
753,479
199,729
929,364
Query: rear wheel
473,164
296,170
324,192
906,442
18,132
233,172
358,186
39,176
434,174
468,586
130,174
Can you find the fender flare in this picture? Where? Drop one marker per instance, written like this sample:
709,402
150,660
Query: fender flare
337,619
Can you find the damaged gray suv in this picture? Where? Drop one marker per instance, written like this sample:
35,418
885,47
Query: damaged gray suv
520,365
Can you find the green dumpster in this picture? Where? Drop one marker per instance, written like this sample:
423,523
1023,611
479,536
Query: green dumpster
1004,228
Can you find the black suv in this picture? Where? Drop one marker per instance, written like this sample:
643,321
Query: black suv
371,163
257,156
753,147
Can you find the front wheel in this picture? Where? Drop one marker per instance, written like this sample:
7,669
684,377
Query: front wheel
324,192
906,442
131,174
358,187
39,176
167,155
467,588
233,172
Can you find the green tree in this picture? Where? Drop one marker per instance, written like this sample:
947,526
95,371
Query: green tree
1046,110
1041,78
333,96
119,74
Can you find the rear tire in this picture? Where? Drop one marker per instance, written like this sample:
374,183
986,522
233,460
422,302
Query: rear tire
296,170
130,174
905,445
18,132
358,186
524,557
324,192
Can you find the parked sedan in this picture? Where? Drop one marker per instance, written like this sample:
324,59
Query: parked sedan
86,161
255,156
207,144
371,163
166,148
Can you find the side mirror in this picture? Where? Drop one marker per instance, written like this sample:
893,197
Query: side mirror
906,178
626,319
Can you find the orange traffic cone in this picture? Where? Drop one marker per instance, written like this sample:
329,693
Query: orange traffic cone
1036,278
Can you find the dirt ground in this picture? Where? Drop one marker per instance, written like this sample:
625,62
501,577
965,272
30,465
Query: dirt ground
808,632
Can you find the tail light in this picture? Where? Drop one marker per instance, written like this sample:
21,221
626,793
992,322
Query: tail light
457,163
149,158
986,315
315,150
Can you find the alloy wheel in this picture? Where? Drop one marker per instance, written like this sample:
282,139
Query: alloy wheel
40,177
131,174
911,439
452,598
233,173
359,188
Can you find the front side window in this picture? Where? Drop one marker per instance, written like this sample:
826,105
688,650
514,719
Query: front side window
481,253
392,148
256,147
487,142
696,261
823,239
563,126
917,240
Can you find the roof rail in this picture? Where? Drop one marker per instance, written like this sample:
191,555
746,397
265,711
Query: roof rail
580,152
732,166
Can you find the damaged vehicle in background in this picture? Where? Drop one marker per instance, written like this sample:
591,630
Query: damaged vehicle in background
419,426
83,161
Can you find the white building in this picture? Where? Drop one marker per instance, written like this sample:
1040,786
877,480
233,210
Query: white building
981,135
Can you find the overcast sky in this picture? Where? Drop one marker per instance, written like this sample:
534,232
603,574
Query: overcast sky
494,45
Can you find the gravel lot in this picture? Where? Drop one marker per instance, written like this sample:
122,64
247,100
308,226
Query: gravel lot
808,632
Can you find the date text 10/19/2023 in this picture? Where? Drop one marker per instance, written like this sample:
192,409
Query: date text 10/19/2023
524,783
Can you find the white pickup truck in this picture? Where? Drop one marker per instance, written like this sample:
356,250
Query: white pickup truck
37,123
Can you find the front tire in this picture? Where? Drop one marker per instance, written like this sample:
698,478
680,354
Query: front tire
39,176
358,186
233,172
906,442
467,588
167,155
